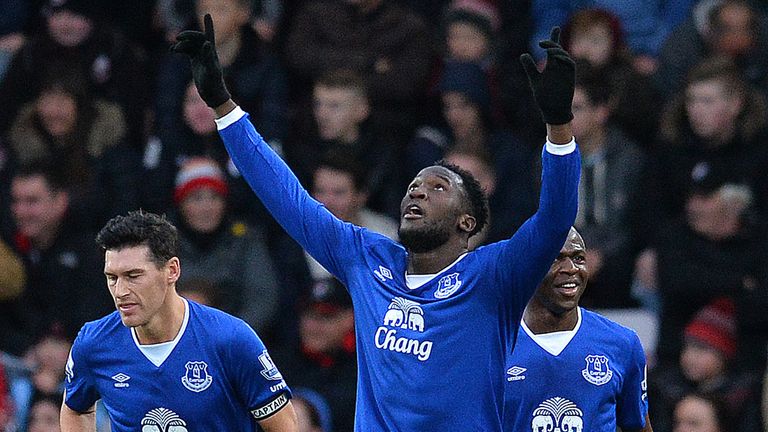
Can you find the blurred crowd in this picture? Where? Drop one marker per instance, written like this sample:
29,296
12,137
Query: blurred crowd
97,118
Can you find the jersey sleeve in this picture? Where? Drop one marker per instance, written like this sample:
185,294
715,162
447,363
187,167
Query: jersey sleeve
79,385
520,262
256,378
632,403
324,236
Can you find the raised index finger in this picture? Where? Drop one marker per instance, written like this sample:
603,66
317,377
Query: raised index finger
555,35
208,26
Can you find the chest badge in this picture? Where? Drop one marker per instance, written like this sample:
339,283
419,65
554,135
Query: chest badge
196,377
597,371
447,285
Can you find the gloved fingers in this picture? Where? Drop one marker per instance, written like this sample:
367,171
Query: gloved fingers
547,44
208,25
557,52
189,47
554,36
191,35
529,66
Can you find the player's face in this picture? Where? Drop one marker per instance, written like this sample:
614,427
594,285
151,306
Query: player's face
564,284
138,286
431,210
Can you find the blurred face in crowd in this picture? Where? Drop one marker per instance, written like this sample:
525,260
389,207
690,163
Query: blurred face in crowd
44,416
139,287
693,414
593,44
475,166
228,15
588,118
57,111
462,115
700,363
37,209
712,216
563,285
337,191
339,112
325,332
197,115
69,29
734,30
203,209
466,42
712,110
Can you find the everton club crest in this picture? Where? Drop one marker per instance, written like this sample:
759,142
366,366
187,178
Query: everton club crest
447,285
196,377
597,371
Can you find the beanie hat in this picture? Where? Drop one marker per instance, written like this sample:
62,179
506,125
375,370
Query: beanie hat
197,173
714,326
478,13
468,79
86,8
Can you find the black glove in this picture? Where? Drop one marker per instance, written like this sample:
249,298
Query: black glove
553,87
206,70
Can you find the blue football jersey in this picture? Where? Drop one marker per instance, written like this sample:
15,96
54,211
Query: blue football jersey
218,376
431,357
596,383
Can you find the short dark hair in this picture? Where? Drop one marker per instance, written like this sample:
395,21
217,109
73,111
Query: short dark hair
339,159
476,197
343,78
138,228
54,177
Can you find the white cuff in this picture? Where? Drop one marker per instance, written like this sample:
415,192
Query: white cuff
560,149
231,117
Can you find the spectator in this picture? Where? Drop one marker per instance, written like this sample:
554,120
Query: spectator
700,413
647,23
384,42
86,137
325,359
6,403
15,14
12,276
60,261
343,122
201,290
482,169
46,359
717,123
252,71
466,104
610,178
734,29
706,366
595,36
222,249
44,414
77,40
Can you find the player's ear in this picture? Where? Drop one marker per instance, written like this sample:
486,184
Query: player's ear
467,223
173,270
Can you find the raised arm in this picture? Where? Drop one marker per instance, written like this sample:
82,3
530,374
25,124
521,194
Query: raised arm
306,220
73,421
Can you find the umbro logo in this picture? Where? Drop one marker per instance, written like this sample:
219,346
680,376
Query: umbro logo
383,273
516,373
121,379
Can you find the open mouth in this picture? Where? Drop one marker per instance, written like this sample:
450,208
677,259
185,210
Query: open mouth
568,289
413,212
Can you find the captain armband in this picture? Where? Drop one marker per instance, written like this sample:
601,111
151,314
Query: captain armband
270,408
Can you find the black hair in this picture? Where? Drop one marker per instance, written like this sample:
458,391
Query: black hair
476,197
141,228
54,176
339,159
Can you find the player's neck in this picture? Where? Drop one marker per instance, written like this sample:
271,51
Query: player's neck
433,261
541,320
165,325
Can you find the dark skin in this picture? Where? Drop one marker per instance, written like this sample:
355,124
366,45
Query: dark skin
554,305
440,195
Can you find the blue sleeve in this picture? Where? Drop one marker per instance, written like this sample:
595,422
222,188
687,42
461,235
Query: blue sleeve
522,261
632,403
252,372
328,239
81,392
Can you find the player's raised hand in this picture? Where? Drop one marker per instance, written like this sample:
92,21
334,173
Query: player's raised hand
553,87
206,69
